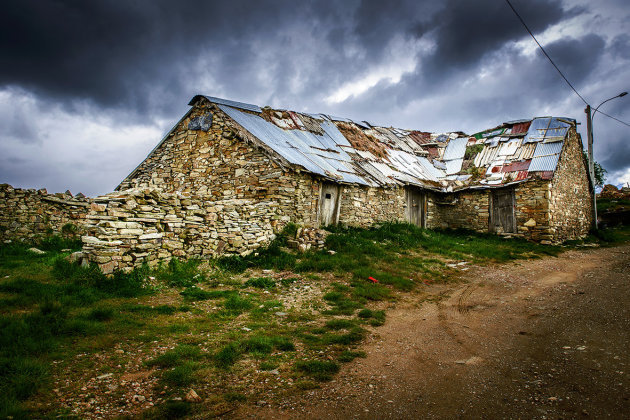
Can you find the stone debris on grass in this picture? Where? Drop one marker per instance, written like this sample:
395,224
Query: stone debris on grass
192,396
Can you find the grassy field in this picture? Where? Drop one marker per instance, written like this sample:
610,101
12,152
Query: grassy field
75,343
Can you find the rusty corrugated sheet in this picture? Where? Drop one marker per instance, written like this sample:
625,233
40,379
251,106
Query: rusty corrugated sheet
332,147
516,166
521,128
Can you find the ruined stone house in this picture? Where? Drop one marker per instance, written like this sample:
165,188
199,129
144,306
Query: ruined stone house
523,178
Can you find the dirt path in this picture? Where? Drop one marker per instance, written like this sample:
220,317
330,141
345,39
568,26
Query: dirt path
541,339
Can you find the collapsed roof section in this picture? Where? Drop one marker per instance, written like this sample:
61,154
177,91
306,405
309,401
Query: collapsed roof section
352,152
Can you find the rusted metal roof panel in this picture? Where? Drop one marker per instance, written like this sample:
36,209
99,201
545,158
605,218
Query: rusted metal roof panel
521,127
318,144
516,166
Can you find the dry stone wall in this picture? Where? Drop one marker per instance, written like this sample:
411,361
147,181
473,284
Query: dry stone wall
364,206
212,160
532,211
26,214
127,229
571,200
459,210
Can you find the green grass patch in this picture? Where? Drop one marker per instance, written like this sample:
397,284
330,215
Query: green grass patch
179,355
374,318
317,369
181,375
236,304
180,274
347,356
195,293
260,283
339,324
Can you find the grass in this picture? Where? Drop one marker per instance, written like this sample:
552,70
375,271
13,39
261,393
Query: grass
317,369
219,326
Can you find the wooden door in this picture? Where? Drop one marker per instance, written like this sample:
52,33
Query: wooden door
416,207
502,219
329,204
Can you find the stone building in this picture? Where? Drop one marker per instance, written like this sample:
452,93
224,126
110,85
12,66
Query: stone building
523,178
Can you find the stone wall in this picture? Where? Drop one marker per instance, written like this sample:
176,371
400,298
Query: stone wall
364,206
129,228
571,200
213,160
26,214
532,211
459,210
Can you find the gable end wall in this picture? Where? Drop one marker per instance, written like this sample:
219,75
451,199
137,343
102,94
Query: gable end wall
571,196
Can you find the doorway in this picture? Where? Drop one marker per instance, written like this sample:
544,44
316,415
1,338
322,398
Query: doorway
329,204
416,207
502,218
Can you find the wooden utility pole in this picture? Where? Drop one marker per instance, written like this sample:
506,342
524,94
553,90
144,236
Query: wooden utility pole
591,162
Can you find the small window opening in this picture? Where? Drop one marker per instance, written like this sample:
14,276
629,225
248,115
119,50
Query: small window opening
327,195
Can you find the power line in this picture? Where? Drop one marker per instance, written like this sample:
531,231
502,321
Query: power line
545,52
616,119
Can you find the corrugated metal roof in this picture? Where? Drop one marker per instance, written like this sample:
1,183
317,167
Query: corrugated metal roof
453,166
547,129
455,149
395,156
546,157
516,166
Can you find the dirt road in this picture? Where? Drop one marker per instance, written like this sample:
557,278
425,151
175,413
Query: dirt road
545,338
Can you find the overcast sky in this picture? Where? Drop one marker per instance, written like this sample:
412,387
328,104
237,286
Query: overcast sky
88,88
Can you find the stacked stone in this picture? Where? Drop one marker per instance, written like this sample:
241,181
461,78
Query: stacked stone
363,206
459,210
307,238
532,211
133,227
26,214
571,198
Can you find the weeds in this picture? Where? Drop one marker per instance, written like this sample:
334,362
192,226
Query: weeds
261,283
317,369
347,356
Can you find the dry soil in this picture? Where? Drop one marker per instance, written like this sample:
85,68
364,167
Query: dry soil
546,338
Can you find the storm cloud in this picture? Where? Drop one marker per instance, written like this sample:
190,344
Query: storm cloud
85,79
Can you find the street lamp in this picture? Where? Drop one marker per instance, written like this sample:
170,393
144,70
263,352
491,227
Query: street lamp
591,163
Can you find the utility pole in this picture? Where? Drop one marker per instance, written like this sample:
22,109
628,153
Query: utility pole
591,162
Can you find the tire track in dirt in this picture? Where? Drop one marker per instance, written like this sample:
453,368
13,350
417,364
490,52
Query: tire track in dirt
493,347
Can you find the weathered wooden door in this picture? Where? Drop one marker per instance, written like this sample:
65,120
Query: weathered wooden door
416,207
329,204
502,218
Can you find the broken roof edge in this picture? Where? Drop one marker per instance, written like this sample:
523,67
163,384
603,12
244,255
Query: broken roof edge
221,101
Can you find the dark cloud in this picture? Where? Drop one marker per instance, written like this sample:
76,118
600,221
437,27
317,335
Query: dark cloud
132,64
468,31
620,46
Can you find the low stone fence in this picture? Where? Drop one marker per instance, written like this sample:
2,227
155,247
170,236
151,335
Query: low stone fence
26,214
129,228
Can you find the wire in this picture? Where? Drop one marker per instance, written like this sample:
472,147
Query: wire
616,119
545,52
556,67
